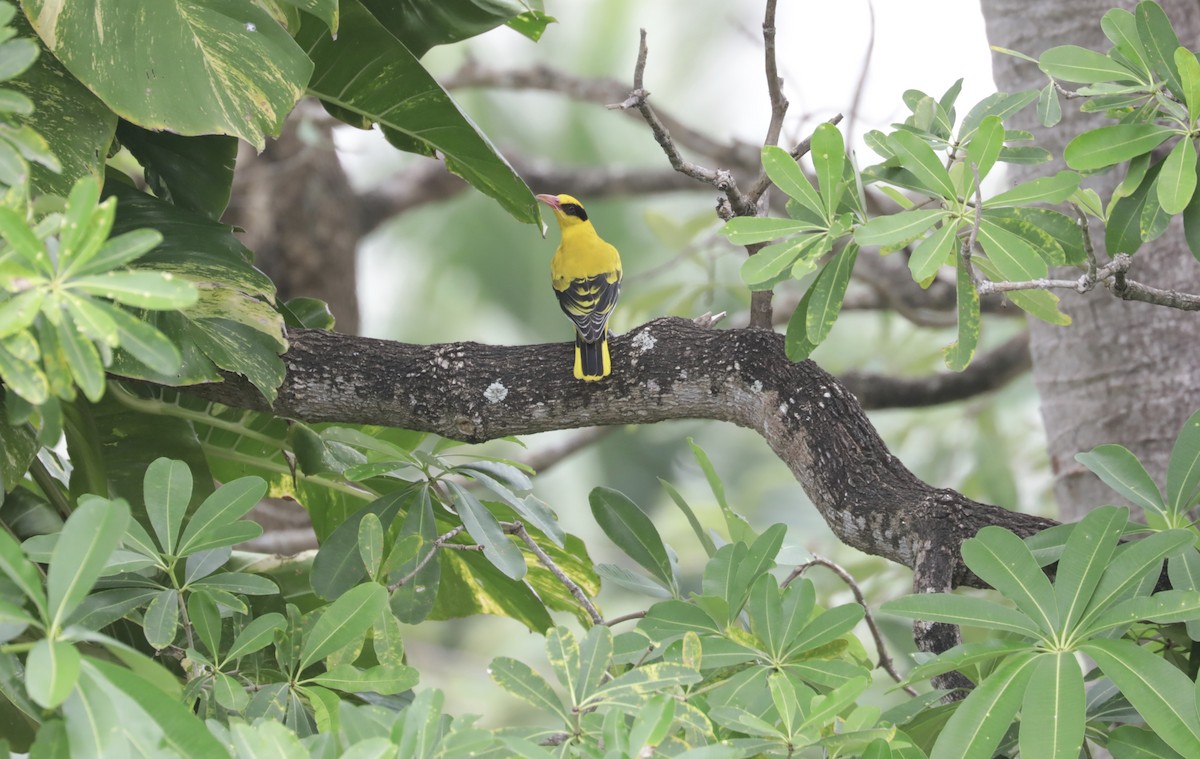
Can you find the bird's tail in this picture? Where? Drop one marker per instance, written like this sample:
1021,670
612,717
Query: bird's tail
591,359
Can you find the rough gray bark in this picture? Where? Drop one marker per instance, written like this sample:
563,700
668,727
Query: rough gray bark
667,369
1123,372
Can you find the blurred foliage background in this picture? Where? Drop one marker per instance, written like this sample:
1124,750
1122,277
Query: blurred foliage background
463,270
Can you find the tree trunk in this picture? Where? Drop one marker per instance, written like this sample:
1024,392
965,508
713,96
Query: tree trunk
1123,372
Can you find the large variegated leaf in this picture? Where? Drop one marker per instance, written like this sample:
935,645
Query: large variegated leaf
421,24
368,75
190,66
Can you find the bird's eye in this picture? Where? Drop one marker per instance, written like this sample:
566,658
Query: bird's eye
576,210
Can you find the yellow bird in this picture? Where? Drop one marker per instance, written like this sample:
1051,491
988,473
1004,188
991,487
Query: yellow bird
586,274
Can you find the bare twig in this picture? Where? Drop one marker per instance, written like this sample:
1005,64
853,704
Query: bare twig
439,543
779,103
885,661
625,618
518,529
540,461
969,247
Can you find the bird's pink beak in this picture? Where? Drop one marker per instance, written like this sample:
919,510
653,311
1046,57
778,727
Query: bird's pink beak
550,200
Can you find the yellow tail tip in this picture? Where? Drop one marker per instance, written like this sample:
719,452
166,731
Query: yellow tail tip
605,370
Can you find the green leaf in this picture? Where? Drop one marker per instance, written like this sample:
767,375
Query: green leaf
83,361
642,680
1130,742
981,720
412,602
140,289
181,731
145,343
958,354
483,526
1107,145
1120,27
828,292
1072,63
787,175
226,505
1160,43
51,671
255,636
1166,607
195,173
827,626
1052,713
1002,560
166,493
796,344
337,566
899,228
1163,695
343,621
747,230
239,68
932,253
370,543
984,147
1049,108
828,155
765,266
162,619
1183,471
963,610
668,619
1121,471
241,348
1123,231
369,72
91,534
421,25
1053,189
633,532
919,160
705,539
518,679
206,620
1000,104
1016,259
1132,565
595,655
1087,554
381,679
1189,76
1177,181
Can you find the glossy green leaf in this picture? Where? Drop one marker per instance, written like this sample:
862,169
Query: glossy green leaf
959,353
421,25
1052,713
161,620
240,70
1049,108
1177,181
1053,189
413,601
206,620
642,680
343,621
483,526
1131,566
369,72
1072,63
1121,471
963,610
91,534
932,253
796,344
1163,695
985,146
1160,43
919,160
140,289
769,263
166,493
787,175
255,636
1130,742
981,720
899,228
828,292
1123,232
747,230
1166,607
195,173
1189,77
83,361
1002,560
370,543
381,679
1015,259
632,531
1087,554
521,681
1000,104
337,566
1183,471
668,619
51,672
226,505
828,153
1107,145
1120,27
705,539
142,341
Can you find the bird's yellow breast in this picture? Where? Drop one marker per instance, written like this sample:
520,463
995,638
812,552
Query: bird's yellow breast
582,255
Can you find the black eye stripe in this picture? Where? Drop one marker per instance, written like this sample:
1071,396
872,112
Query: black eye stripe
574,209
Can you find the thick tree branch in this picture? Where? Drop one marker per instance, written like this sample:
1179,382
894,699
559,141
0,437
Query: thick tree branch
667,369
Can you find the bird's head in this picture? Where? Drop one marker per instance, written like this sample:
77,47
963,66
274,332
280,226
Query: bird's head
567,209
